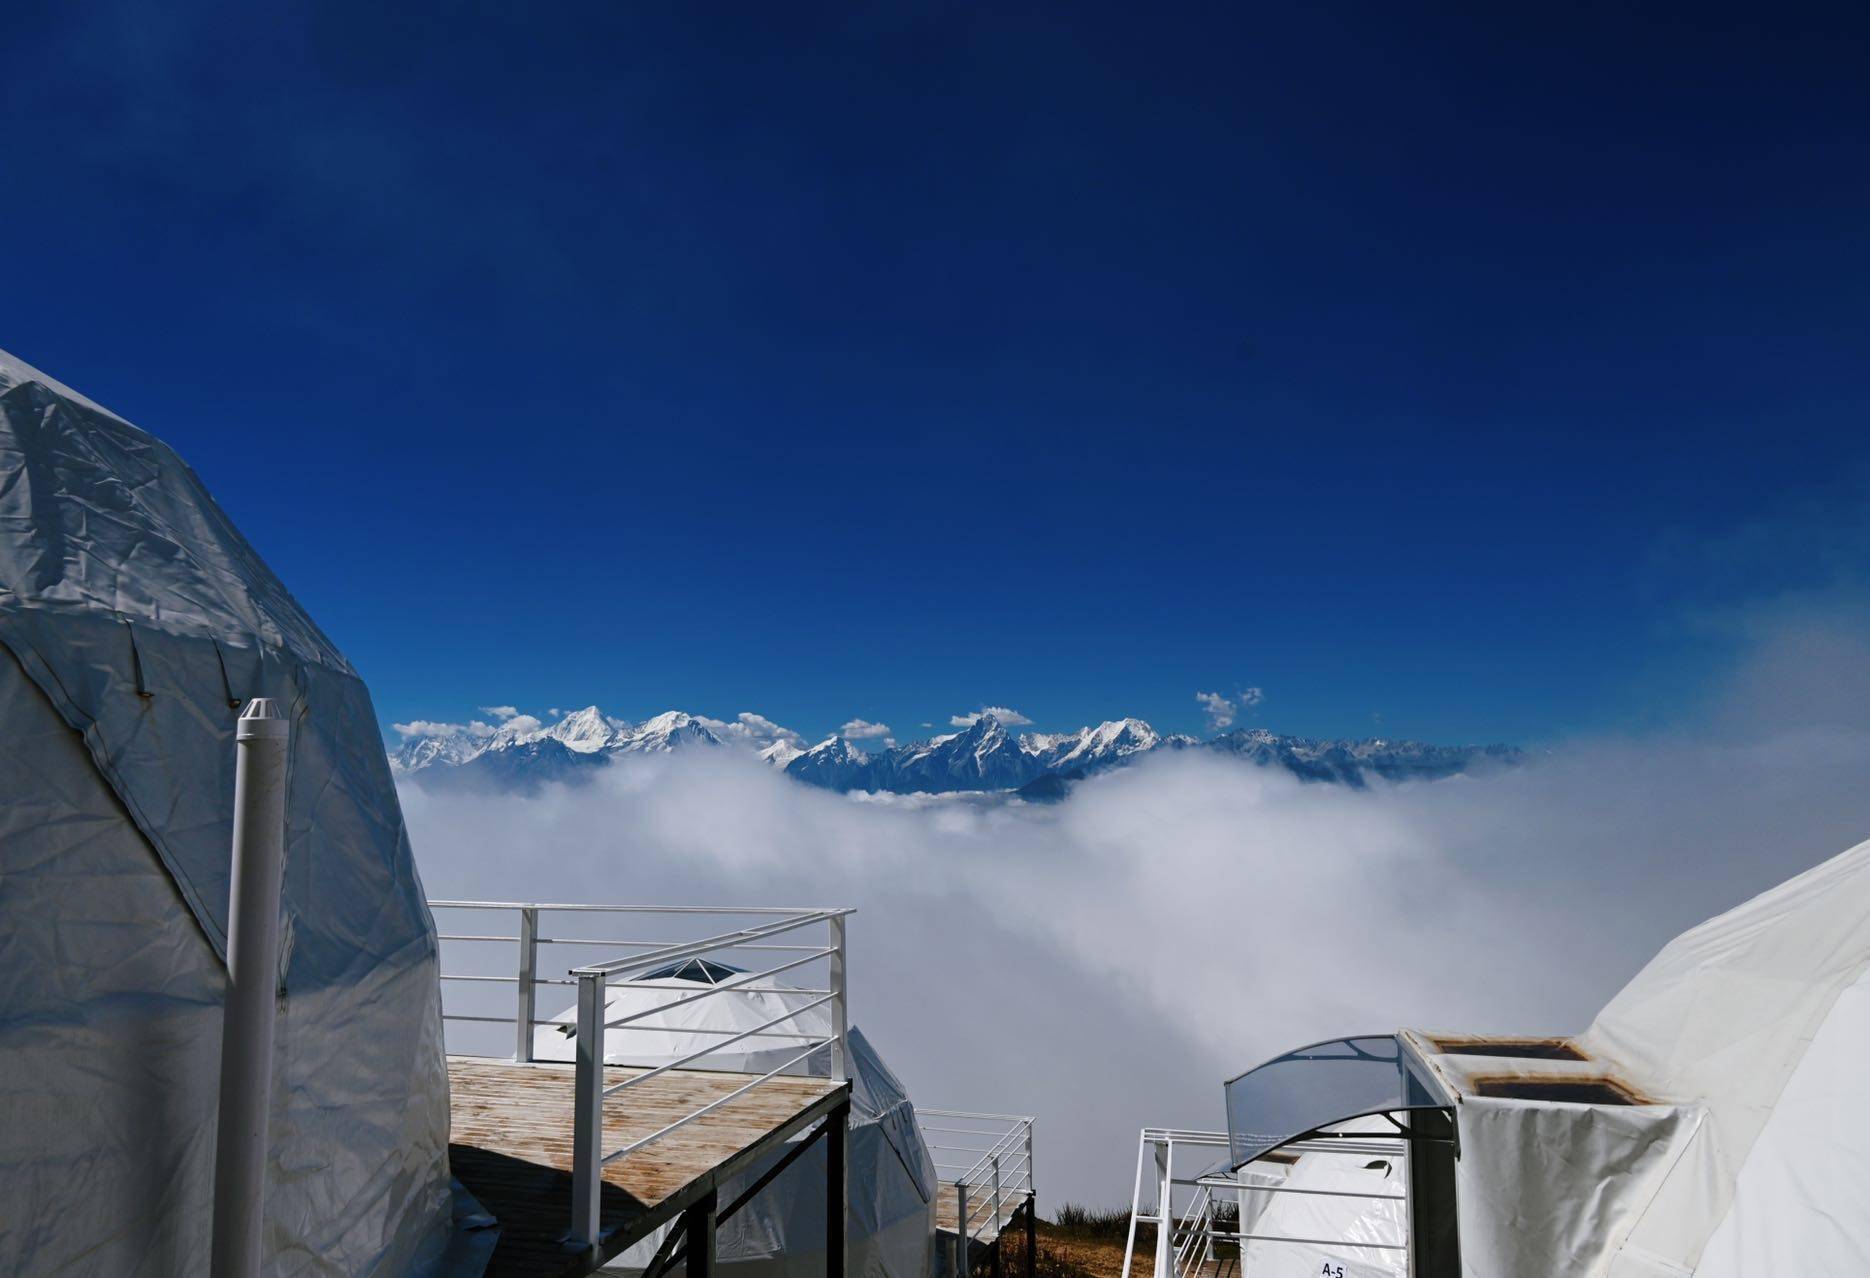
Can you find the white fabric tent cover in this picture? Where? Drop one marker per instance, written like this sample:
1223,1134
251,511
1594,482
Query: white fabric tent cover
645,1030
1335,1221
1749,1036
134,621
780,1233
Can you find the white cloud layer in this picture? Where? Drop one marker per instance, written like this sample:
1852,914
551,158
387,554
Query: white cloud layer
864,730
1008,717
1252,697
1105,962
500,714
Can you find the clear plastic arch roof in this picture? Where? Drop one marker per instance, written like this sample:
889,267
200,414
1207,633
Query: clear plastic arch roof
1312,1089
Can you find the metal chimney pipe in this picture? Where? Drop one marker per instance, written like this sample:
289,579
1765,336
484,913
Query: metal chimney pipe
260,744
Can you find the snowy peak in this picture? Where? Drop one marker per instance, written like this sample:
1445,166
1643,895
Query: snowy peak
1107,743
781,753
671,730
589,730
981,757
588,733
834,764
448,749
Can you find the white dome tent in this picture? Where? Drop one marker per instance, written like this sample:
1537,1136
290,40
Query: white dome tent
780,1233
653,1024
1741,1146
135,621
1707,1124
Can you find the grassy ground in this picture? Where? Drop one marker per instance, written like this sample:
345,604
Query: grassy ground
1080,1243
1087,1243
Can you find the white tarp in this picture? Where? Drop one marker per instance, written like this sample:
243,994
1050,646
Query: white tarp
1748,1150
781,1232
1332,1215
134,619
1548,1189
1729,1016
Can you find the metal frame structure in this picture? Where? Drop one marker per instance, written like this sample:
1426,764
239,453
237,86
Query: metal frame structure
1185,1245
992,1182
697,1204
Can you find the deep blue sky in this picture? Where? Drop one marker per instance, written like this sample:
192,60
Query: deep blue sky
891,360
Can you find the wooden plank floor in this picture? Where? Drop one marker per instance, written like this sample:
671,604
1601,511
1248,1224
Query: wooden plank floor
947,1207
512,1139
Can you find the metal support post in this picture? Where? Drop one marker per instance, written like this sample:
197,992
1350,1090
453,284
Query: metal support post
997,1200
699,1227
587,1130
259,856
1032,1236
1165,1211
528,974
960,1231
837,1191
993,1225
1032,1210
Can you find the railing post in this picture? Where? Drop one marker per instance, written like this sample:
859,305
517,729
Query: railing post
960,1231
528,969
587,1139
840,1006
996,1193
995,1243
1032,1210
1032,1185
1165,1210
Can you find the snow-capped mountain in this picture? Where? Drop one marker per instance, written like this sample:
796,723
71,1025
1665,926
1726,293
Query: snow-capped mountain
1353,762
523,754
833,763
1099,747
980,757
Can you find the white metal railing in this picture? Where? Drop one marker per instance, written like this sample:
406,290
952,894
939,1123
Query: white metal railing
1186,1241
985,1162
637,955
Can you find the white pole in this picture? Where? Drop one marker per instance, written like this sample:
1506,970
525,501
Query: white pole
840,1006
996,1196
1165,1209
587,1123
260,744
1136,1202
528,977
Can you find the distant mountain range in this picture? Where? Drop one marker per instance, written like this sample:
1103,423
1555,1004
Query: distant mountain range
1039,766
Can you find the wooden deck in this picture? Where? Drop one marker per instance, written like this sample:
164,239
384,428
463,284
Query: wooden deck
512,1140
947,1208
1014,1214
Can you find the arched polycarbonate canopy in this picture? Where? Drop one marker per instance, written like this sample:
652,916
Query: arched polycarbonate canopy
1310,1090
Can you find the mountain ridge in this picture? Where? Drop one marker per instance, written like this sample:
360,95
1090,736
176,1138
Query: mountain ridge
982,757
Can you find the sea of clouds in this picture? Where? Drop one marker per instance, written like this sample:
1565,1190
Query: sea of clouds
1104,963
